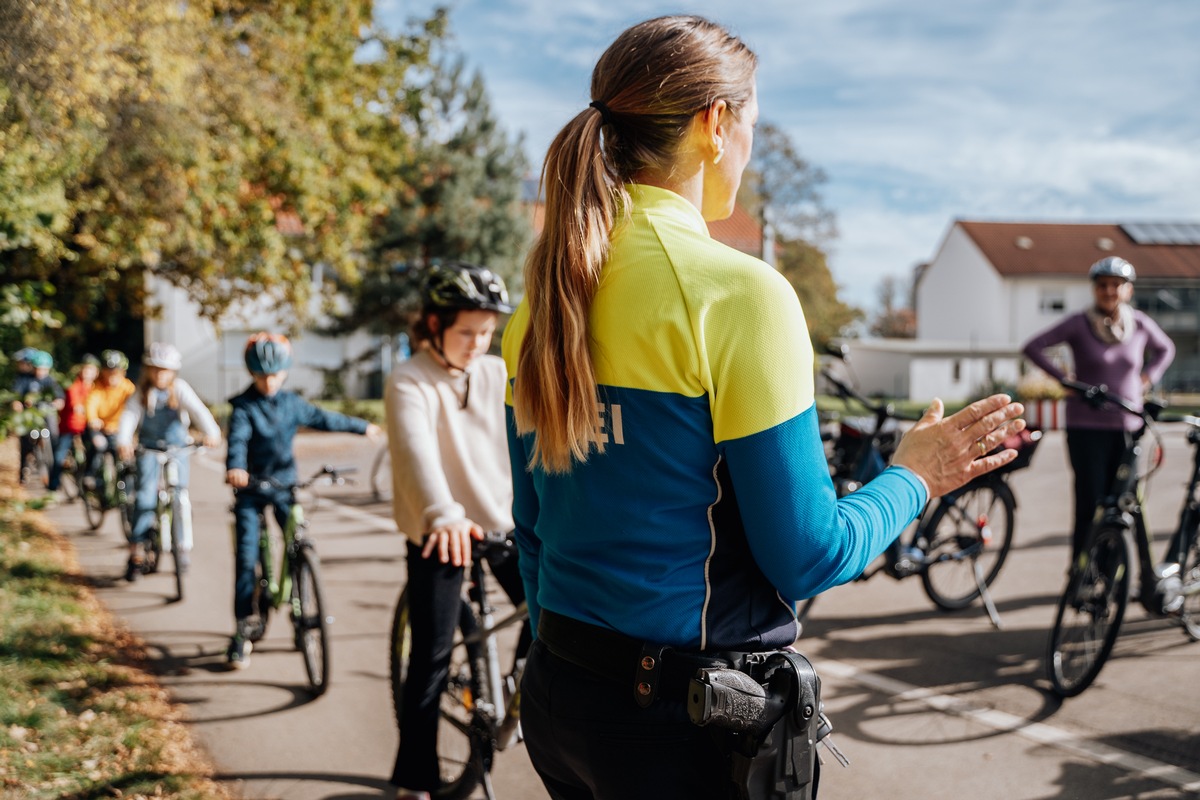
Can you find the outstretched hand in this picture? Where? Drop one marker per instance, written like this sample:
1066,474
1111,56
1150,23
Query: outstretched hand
951,451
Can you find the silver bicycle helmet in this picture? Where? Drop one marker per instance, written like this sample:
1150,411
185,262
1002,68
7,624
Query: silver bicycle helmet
1112,266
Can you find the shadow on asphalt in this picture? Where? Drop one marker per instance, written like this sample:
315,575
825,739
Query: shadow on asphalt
371,785
297,697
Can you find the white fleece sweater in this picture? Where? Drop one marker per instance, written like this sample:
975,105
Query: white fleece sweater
448,463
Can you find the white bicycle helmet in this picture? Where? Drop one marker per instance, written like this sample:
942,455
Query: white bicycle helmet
163,356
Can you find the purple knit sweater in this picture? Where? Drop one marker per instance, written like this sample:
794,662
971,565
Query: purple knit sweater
1119,366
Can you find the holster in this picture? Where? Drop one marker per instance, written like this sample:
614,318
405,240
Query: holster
778,760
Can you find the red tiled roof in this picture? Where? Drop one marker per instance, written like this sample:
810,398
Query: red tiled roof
1018,249
740,231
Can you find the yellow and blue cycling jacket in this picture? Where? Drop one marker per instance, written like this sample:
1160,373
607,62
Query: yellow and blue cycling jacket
706,508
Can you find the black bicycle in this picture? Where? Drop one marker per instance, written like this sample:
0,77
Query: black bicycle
961,540
288,573
1093,604
480,708
109,486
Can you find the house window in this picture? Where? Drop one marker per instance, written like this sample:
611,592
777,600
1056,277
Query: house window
956,370
1052,302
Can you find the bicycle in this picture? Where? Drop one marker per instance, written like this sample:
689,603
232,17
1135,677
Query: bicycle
1093,603
961,540
109,487
288,572
480,707
167,533
37,450
74,467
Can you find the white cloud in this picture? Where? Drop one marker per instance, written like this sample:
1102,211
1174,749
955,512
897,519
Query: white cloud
920,111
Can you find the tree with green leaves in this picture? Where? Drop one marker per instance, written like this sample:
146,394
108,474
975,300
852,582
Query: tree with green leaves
457,198
222,145
782,190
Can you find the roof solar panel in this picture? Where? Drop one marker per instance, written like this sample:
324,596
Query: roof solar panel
1163,232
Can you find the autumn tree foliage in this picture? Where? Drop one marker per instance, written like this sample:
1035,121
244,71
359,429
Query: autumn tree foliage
224,145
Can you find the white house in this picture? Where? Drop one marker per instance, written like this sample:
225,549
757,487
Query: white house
992,285
212,354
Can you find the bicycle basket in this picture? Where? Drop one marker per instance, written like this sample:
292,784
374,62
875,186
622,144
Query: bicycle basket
1025,443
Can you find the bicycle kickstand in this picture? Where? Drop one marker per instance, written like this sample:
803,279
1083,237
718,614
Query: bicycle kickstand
488,791
986,596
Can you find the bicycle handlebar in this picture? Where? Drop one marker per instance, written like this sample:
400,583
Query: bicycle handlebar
336,476
1099,394
847,392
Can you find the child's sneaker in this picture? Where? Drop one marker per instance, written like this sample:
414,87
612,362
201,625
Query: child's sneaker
133,570
238,654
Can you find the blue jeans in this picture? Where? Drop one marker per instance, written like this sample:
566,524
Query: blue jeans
146,501
589,740
61,448
246,507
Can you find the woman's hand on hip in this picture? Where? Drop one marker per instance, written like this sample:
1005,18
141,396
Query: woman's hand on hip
452,542
951,451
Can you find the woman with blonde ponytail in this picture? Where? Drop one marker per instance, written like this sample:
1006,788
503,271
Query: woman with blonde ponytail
670,490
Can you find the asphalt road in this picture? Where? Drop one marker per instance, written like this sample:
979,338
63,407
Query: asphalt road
925,704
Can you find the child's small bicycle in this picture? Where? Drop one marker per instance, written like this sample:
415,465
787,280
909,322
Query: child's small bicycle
288,572
167,533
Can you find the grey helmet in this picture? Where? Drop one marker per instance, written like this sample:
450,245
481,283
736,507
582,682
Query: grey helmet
1114,267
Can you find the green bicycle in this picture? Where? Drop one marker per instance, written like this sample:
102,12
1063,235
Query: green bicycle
288,575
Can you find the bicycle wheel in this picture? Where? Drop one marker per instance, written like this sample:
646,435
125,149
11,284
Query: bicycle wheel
177,545
381,475
308,617
70,478
459,748
1191,603
93,508
968,541
1089,614
152,546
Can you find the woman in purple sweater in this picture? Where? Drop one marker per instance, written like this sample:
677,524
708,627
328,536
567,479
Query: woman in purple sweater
1113,344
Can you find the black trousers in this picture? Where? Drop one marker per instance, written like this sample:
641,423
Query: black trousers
1095,456
436,609
589,740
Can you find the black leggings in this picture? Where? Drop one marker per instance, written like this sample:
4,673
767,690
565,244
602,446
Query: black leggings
1095,456
435,612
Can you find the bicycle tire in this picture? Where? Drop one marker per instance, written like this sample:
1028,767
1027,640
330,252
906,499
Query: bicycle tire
1190,613
309,619
975,529
1089,614
381,475
177,544
70,478
93,508
154,541
459,746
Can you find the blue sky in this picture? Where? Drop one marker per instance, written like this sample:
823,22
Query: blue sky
919,111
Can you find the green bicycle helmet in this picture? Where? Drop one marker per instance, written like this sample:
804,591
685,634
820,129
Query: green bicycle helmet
114,359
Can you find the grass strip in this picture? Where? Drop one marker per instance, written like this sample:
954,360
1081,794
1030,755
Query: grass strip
80,719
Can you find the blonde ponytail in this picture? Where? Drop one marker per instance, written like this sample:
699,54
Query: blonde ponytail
646,89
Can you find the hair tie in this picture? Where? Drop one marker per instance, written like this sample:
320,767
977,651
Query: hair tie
606,116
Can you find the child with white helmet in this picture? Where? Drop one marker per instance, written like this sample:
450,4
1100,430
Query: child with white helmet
160,413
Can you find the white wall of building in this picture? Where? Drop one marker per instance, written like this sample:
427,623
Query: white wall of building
961,297
212,355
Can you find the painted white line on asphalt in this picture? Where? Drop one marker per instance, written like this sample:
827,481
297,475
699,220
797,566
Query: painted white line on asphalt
1001,721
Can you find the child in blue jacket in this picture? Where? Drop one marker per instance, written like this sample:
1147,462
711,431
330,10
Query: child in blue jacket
262,425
